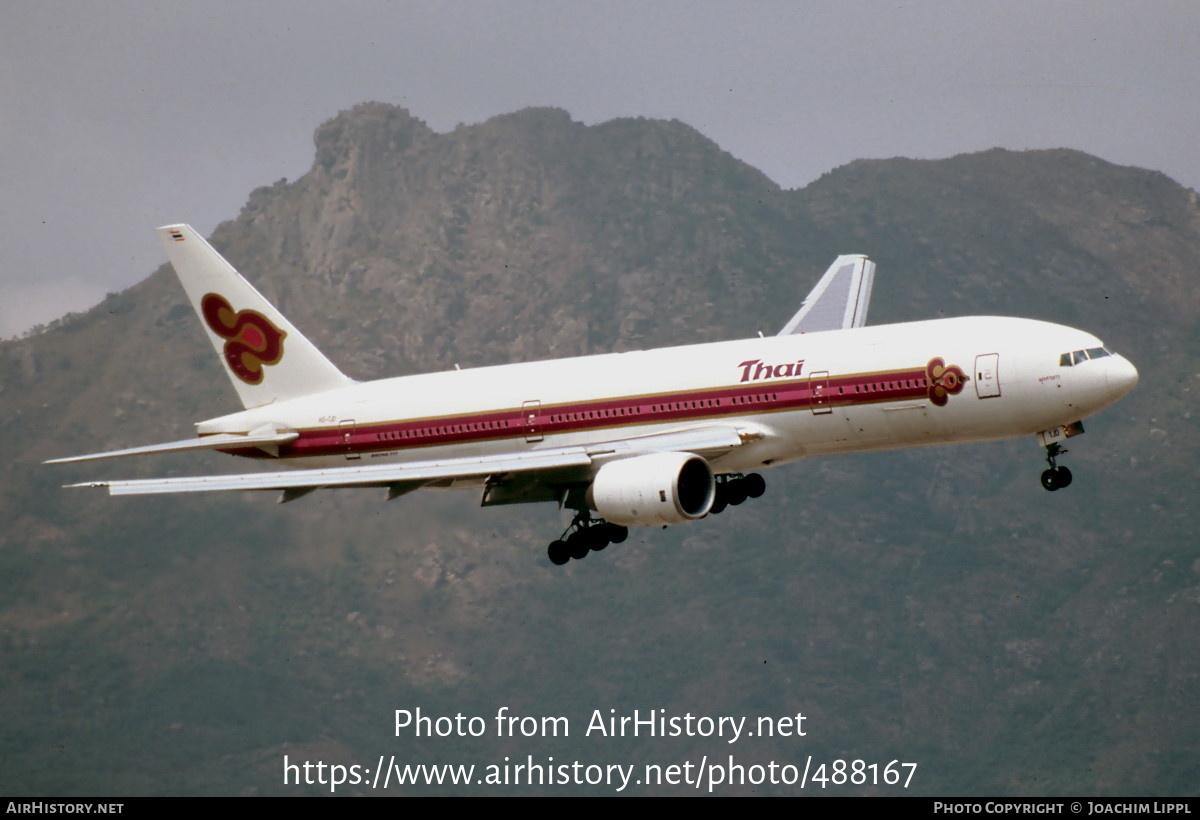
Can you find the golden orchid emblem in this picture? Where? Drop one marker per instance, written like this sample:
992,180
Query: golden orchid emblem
944,381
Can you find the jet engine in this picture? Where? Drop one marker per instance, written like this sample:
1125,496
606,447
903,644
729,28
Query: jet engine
660,488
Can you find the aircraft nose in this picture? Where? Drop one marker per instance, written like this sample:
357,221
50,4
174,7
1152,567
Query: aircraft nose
1122,375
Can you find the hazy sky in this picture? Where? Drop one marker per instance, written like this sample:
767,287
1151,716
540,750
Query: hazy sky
118,117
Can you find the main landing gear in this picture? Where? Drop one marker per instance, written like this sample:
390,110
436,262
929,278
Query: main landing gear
586,534
1056,477
734,488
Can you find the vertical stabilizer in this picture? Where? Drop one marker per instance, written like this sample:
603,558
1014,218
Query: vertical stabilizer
839,300
266,358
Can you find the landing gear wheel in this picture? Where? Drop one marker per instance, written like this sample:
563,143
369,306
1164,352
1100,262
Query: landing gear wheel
616,533
755,485
577,545
719,504
597,537
736,491
558,552
1056,477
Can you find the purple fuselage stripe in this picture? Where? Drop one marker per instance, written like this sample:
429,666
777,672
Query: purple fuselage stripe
557,419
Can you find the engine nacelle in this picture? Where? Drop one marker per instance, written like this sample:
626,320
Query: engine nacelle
660,488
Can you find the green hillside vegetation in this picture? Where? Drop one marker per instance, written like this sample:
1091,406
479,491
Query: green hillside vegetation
934,606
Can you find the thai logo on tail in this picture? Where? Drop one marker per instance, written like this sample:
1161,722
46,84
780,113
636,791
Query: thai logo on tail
943,381
251,339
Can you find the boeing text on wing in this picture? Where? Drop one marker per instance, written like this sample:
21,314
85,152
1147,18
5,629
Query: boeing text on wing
651,437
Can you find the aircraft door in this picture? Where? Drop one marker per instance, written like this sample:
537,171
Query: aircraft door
531,420
987,375
818,391
346,431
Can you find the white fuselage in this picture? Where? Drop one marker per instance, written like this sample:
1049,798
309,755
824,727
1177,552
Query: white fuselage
841,391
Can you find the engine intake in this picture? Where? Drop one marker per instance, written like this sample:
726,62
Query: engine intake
660,488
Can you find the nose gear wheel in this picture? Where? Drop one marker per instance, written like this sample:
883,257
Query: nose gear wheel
1056,477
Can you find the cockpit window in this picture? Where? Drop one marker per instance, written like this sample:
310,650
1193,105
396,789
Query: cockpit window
1080,356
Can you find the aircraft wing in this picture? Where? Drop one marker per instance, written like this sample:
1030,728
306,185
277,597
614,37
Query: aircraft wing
578,463
839,300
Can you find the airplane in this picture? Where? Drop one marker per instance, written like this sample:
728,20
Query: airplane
641,438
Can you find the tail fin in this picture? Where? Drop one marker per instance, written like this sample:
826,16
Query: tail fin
839,300
266,358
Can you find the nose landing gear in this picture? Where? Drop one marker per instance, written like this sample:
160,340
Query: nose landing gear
1056,477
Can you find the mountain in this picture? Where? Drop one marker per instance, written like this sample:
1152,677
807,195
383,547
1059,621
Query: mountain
933,606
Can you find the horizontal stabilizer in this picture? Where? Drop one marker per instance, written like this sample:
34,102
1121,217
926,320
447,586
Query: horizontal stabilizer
839,300
223,441
566,463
